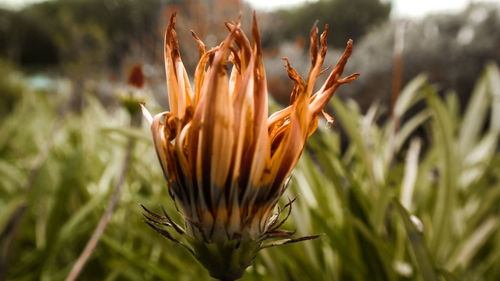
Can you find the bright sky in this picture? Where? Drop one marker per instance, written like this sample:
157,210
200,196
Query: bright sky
401,7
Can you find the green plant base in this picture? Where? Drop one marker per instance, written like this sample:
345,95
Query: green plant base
226,260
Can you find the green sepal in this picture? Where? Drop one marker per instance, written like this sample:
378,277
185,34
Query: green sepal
228,259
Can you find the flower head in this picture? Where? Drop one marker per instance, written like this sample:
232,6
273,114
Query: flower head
225,160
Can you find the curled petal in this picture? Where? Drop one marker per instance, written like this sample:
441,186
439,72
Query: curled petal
320,99
146,113
179,89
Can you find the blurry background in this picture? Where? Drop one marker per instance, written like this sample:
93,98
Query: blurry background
450,40
66,106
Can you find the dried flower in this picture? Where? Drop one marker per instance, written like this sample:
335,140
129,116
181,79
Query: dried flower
136,76
225,160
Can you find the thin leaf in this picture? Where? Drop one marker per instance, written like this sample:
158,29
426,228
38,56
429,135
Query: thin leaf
420,251
471,246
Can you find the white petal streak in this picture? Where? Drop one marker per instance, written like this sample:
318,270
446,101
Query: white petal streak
146,113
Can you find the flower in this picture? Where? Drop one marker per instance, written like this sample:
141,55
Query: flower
227,162
135,76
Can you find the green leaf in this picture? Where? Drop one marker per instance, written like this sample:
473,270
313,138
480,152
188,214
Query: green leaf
475,115
136,260
410,95
466,250
411,172
449,168
8,210
477,160
493,75
409,127
422,256
134,133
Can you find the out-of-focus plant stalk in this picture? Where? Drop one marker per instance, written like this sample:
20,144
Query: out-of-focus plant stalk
136,80
397,72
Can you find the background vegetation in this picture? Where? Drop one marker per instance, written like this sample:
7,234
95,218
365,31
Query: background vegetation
414,196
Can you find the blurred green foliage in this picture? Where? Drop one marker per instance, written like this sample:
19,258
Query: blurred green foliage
348,19
93,32
393,204
96,33
10,86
